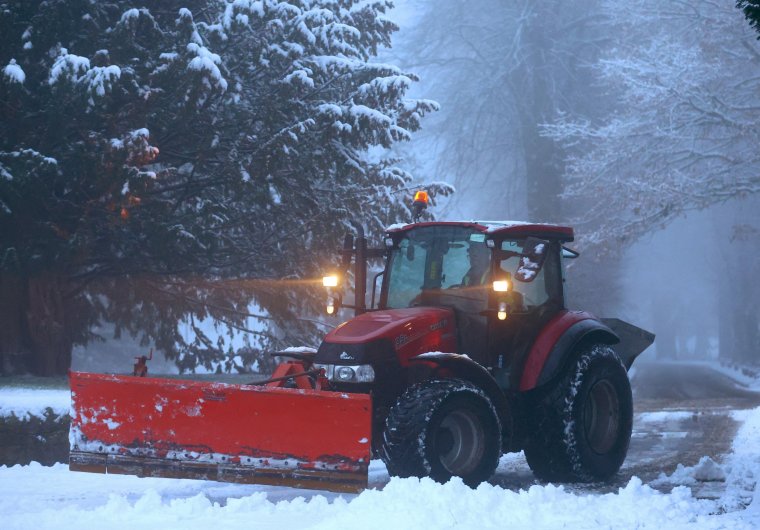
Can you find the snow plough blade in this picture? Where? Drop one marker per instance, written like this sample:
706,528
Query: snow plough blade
155,427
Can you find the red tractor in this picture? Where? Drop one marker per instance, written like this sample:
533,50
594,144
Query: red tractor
465,352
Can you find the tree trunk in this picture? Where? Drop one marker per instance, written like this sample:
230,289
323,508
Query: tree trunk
14,346
543,169
745,324
664,329
726,342
35,336
739,331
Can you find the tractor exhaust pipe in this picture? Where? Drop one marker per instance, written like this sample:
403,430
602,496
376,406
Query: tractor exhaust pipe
360,270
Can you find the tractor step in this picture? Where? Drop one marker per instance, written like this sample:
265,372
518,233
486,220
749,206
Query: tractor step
214,431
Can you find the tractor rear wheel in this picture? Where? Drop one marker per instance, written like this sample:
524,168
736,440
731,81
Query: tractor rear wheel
581,428
440,429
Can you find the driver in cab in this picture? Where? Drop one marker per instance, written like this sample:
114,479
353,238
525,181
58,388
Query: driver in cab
480,260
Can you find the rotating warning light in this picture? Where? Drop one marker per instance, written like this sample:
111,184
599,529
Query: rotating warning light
420,203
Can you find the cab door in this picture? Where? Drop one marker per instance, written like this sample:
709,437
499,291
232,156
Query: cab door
537,301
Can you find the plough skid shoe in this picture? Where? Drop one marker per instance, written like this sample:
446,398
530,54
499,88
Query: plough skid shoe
155,427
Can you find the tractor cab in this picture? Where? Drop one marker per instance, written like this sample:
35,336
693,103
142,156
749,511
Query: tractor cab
461,265
503,281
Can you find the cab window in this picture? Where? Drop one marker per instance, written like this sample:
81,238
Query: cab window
535,293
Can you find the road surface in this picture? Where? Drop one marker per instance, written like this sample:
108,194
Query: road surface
682,412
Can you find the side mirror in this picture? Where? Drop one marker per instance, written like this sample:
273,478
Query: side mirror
532,259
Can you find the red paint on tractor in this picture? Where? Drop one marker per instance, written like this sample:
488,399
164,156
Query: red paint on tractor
192,421
544,343
412,331
517,229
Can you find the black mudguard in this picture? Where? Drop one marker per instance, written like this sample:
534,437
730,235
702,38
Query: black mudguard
633,340
629,341
462,367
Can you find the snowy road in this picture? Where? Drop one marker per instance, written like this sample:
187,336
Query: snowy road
683,412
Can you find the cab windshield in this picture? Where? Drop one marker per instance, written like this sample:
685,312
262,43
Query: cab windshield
429,260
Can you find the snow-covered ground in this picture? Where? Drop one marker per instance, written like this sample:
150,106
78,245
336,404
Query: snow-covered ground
745,376
40,497
53,497
24,402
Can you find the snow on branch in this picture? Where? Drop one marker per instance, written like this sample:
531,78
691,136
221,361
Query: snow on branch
100,80
14,73
683,135
300,77
68,67
207,63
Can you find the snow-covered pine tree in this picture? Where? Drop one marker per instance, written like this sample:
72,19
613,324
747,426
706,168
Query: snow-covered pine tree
156,156
751,9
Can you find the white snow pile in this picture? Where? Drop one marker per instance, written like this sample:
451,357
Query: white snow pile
38,497
707,470
52,497
27,402
743,467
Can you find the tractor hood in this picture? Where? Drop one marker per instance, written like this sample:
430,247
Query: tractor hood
405,332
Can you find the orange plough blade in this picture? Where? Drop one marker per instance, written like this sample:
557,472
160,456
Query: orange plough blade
214,431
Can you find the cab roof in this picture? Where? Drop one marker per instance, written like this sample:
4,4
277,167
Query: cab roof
499,229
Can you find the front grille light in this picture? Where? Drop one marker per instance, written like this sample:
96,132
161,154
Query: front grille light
358,373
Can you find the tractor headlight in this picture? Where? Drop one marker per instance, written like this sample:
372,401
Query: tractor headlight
365,373
501,286
344,373
502,313
330,280
361,373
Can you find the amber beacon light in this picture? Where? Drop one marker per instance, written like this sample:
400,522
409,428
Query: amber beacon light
420,204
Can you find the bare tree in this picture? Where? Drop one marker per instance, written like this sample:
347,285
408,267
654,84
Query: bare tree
500,70
684,135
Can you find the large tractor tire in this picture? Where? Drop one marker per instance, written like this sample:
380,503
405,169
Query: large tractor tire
581,428
441,429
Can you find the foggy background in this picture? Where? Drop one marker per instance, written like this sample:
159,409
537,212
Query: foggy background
633,122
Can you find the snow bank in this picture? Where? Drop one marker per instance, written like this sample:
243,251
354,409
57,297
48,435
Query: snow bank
37,497
26,402
743,466
52,497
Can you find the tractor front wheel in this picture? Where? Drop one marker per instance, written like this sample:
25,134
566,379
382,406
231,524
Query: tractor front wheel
581,428
440,429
